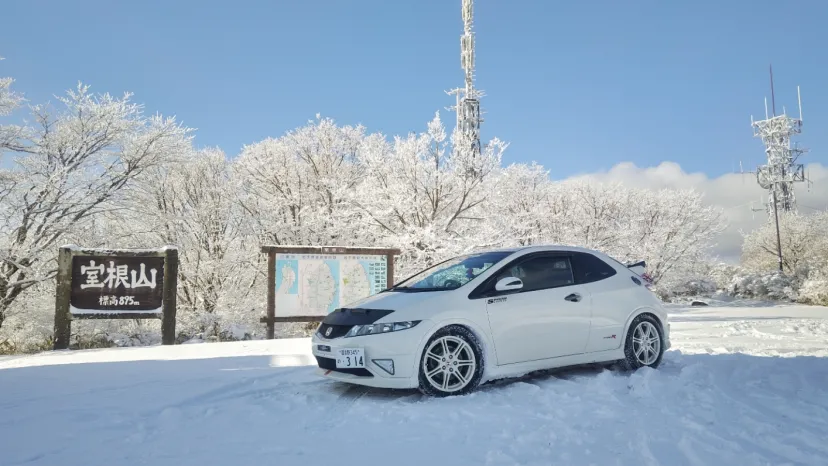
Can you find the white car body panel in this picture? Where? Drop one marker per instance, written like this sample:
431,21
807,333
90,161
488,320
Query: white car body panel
526,332
524,329
606,297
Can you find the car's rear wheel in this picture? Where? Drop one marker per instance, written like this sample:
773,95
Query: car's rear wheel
644,345
451,363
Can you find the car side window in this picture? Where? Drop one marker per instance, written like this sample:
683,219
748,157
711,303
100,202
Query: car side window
589,269
541,272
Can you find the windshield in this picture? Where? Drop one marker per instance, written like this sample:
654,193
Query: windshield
451,274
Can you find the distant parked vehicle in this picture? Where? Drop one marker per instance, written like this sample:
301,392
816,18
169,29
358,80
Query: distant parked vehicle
495,314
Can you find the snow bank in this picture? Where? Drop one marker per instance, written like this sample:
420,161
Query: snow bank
815,290
774,286
721,397
805,284
284,352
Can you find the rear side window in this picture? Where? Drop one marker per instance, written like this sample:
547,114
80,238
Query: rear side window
589,269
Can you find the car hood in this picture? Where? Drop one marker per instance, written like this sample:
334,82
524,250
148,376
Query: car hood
398,300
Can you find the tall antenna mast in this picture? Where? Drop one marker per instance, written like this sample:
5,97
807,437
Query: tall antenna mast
468,98
773,97
781,171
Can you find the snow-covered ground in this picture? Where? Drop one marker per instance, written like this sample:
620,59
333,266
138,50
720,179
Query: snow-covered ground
745,384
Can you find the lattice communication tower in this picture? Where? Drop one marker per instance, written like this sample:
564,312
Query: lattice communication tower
468,98
781,171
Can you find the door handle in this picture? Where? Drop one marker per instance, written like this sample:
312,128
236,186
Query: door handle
574,297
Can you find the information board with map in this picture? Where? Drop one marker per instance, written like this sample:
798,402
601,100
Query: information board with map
308,283
317,284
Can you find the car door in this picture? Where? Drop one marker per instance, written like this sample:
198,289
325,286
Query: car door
612,296
547,318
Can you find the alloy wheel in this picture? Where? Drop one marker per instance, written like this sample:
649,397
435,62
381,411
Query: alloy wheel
449,363
646,343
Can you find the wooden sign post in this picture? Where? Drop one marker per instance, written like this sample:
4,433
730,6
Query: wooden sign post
115,284
306,283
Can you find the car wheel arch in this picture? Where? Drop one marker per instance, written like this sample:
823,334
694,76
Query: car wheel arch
485,345
640,311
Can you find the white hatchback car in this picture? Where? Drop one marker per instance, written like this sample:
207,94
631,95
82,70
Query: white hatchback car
492,315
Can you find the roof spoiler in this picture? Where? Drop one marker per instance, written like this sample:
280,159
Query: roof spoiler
639,268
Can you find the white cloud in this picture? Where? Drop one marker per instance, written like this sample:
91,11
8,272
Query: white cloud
735,193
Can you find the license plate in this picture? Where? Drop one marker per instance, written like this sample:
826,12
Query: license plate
350,358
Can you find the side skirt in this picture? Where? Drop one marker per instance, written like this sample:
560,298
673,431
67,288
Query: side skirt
523,368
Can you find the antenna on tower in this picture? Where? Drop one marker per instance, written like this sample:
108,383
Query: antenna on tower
773,98
468,98
799,100
781,171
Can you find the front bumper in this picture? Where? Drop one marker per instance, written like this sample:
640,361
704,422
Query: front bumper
402,347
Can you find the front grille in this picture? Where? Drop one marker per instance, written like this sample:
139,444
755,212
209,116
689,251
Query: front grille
330,364
336,332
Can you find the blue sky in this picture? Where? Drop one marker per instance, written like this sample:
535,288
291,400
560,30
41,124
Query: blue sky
575,86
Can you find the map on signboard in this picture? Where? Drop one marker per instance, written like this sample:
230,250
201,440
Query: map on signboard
317,284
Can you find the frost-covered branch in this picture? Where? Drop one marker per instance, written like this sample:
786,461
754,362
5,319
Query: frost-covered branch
68,166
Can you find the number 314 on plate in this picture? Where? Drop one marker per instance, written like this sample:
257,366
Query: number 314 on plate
350,357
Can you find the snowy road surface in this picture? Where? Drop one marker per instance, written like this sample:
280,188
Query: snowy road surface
742,385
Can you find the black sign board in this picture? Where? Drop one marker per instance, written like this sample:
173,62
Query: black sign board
117,283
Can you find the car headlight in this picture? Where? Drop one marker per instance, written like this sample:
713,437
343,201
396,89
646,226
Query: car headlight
374,329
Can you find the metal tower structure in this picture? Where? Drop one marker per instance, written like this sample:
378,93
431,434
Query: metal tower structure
781,171
468,98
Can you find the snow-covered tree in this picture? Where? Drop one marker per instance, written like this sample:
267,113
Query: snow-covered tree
426,196
594,215
673,230
670,229
100,174
804,275
193,205
68,165
803,239
523,206
296,187
9,100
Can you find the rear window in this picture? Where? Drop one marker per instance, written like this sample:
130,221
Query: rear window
589,269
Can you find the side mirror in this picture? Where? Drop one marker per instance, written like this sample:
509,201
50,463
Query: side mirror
509,284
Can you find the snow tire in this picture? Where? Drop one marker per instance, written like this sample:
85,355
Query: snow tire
465,335
630,361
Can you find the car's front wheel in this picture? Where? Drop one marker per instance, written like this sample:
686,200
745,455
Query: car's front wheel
644,345
451,363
